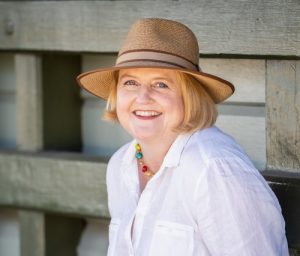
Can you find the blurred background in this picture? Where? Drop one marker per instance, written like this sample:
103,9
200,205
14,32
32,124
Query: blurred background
54,146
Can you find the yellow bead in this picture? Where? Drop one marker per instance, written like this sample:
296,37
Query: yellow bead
149,174
138,147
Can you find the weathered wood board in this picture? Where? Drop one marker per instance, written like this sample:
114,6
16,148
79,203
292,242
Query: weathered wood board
61,184
231,27
32,233
283,115
249,132
29,101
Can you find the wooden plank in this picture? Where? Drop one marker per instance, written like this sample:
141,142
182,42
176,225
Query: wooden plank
30,137
247,75
231,27
29,101
68,184
32,231
283,115
249,131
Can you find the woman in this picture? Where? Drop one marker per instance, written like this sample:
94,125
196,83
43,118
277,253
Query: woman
182,186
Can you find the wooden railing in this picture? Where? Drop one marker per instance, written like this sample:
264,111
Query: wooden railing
75,185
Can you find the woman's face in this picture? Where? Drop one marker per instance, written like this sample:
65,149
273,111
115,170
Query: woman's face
149,103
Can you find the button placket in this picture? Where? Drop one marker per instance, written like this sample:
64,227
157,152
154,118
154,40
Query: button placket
137,219
141,211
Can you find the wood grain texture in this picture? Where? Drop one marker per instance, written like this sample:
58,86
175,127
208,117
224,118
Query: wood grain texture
283,114
230,27
64,184
247,75
32,233
249,131
30,137
29,101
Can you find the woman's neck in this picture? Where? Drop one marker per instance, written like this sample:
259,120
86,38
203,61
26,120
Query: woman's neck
154,152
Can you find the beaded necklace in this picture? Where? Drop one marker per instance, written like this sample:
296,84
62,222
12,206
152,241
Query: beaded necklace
139,156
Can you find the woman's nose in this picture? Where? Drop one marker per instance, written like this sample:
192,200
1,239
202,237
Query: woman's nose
144,94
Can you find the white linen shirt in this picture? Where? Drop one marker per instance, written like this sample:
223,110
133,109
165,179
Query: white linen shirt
206,199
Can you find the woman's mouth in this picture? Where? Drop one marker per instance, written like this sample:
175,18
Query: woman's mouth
146,113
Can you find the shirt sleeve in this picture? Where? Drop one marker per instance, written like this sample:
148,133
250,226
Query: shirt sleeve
237,212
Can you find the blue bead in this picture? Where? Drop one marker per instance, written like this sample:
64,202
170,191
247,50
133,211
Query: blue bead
138,155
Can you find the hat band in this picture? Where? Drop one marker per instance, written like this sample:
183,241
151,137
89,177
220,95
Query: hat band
157,57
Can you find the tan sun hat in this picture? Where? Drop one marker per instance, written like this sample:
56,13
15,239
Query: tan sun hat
157,43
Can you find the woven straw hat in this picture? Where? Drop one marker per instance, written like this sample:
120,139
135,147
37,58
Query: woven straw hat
157,43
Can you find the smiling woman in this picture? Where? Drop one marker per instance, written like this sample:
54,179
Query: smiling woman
182,186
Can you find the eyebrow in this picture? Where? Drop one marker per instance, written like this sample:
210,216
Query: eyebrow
126,75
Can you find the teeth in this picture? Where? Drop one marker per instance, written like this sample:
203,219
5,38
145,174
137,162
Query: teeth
146,113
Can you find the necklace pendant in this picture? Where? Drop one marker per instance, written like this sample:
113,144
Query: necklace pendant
139,156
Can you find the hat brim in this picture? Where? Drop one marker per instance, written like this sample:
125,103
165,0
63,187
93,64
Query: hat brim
99,82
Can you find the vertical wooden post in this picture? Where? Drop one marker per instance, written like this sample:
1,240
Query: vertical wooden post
29,101
30,137
283,114
32,233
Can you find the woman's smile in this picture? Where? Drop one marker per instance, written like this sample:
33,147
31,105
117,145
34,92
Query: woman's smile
146,114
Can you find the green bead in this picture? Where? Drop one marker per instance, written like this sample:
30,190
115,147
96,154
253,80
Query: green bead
139,155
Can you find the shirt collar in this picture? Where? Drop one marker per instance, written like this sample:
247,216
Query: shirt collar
173,156
129,156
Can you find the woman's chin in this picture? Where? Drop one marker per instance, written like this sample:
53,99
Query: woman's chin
145,135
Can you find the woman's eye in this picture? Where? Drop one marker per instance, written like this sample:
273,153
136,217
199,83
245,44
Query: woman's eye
162,85
131,82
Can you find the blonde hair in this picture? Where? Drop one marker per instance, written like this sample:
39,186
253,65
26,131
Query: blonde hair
199,108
